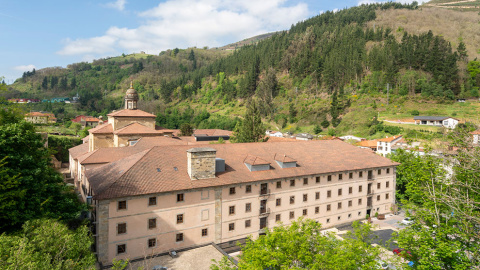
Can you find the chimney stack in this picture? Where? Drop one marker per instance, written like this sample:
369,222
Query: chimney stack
201,163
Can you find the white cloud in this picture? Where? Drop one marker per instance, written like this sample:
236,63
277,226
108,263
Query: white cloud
24,68
187,23
118,5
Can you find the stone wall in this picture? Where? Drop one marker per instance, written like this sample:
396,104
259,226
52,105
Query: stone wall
201,163
102,232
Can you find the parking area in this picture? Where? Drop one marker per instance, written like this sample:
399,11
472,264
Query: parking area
382,230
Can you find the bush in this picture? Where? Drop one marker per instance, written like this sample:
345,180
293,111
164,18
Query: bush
325,123
317,129
415,112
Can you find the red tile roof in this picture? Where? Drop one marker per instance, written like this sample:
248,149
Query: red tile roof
212,132
371,143
253,160
131,113
102,129
476,132
78,150
390,139
137,128
283,158
138,174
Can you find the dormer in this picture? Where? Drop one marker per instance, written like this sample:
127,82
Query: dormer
285,161
255,164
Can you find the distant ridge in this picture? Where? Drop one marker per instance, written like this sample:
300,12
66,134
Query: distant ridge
247,41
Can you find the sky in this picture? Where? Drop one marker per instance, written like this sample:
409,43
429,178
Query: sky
38,34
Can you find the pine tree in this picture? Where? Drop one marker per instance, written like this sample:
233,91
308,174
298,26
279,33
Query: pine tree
462,51
251,128
45,83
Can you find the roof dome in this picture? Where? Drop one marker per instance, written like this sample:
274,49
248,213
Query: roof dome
131,93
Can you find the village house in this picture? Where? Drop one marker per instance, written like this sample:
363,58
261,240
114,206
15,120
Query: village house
40,118
87,121
384,146
439,121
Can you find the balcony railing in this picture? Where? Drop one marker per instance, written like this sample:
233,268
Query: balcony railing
370,192
264,192
264,211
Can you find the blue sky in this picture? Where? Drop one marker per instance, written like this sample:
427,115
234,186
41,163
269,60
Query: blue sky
39,34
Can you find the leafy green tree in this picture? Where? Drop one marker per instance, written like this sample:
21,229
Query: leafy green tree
301,245
36,189
76,127
186,129
251,128
47,244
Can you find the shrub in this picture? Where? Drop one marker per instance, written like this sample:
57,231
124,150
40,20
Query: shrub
415,112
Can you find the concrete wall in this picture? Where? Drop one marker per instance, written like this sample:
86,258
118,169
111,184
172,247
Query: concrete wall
210,209
120,122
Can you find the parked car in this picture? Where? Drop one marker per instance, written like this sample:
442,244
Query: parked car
407,221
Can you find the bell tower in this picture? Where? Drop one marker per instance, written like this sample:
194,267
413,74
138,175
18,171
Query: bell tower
131,98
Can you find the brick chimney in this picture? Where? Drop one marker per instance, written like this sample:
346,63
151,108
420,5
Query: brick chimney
201,163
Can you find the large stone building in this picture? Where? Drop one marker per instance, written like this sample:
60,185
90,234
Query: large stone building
178,196
160,193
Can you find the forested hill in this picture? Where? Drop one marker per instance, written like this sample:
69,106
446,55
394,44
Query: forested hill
334,55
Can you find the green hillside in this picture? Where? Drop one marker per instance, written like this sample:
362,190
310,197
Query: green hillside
327,73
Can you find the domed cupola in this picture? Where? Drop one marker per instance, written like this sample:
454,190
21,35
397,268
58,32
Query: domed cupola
131,98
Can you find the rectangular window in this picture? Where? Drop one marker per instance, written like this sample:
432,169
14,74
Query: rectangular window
360,174
204,232
317,195
179,218
179,237
359,201
338,218
305,181
278,202
378,197
292,182
359,188
231,226
122,205
248,189
329,193
386,196
317,210
339,206
317,179
328,220
248,207
339,192
359,213
277,217
378,185
292,199
329,178
248,223
350,190
388,170
121,248
231,210
121,228
340,176
379,172
329,207
305,197
350,203
279,184
292,214
232,190
152,242
304,212
350,175
349,215
180,197
152,201
387,184
152,223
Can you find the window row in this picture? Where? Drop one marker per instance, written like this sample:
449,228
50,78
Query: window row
152,242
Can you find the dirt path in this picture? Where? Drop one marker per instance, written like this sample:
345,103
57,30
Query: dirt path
449,5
